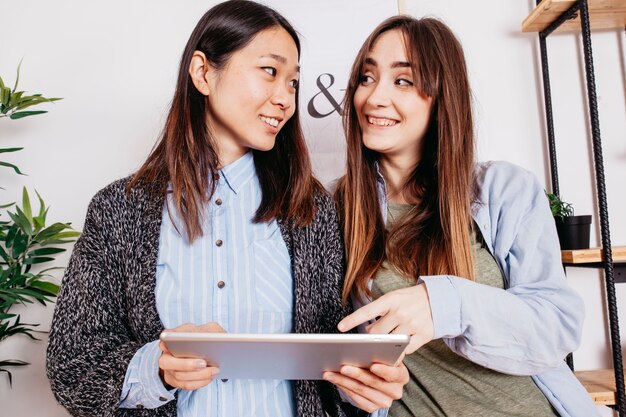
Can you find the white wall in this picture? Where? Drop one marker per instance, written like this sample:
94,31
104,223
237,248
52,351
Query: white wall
115,63
505,70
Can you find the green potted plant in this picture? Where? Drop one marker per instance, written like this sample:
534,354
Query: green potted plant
27,244
573,231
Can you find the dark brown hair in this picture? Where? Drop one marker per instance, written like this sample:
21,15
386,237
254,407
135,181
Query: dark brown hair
434,238
185,156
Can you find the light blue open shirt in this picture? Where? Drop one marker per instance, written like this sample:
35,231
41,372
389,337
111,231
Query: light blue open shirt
237,274
529,327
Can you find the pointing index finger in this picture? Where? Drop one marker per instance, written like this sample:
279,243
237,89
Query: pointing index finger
362,315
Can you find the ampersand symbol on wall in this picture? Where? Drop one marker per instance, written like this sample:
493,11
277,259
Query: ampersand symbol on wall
324,91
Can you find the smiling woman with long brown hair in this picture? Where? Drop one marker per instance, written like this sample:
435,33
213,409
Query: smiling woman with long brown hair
462,256
222,229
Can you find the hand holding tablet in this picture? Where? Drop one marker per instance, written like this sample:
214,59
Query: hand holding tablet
187,373
284,356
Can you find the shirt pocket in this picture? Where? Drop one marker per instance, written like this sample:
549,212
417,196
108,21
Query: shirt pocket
272,276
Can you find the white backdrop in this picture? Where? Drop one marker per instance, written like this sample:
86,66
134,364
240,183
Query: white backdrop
115,63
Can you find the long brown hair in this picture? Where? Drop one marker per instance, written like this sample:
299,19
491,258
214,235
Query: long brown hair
185,156
434,238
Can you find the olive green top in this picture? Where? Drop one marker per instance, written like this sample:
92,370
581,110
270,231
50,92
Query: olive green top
443,383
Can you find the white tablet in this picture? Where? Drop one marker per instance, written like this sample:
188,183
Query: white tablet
285,356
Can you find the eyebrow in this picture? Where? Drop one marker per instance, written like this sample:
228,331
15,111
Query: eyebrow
280,59
397,64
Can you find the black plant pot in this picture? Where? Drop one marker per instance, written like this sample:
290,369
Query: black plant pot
573,231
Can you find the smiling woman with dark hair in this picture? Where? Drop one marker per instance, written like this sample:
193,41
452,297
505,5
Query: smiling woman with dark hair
223,228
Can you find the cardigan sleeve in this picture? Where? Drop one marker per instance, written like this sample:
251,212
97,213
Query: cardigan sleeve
90,344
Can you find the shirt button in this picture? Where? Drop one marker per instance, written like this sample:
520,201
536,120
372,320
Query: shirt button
218,242
162,399
221,284
218,201
225,380
140,406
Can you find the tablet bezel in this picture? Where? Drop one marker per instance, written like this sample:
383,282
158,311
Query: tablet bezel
285,356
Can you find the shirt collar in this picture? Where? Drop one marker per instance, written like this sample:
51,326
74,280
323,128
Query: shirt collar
379,175
238,173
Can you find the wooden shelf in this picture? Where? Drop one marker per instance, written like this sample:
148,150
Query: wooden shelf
599,384
593,255
603,14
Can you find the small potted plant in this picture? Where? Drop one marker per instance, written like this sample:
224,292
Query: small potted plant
573,230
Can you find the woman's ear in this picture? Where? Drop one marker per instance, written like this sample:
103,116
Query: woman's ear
199,70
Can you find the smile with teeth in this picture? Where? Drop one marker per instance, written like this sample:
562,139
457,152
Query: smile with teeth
380,121
270,121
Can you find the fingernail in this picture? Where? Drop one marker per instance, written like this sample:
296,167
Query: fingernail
329,377
199,363
348,370
341,327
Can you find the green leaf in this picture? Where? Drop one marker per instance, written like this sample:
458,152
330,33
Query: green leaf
17,78
42,207
16,169
38,223
19,245
50,231
13,231
56,242
49,287
29,101
27,224
13,362
46,99
37,260
21,114
4,254
52,268
15,98
19,220
46,251
67,235
2,90
4,150
6,98
26,205
28,292
40,220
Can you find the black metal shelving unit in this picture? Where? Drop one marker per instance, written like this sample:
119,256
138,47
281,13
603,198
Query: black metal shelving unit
581,8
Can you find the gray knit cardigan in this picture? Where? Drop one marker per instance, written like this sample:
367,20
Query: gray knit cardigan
106,308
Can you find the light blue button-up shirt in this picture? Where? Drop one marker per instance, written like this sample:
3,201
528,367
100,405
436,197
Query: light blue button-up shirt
237,274
528,327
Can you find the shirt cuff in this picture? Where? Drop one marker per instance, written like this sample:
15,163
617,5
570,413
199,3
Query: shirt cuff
378,413
345,397
445,305
143,387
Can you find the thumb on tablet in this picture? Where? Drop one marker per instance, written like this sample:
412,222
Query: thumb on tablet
211,327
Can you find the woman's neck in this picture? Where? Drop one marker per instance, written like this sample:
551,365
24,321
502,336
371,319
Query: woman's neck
397,172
